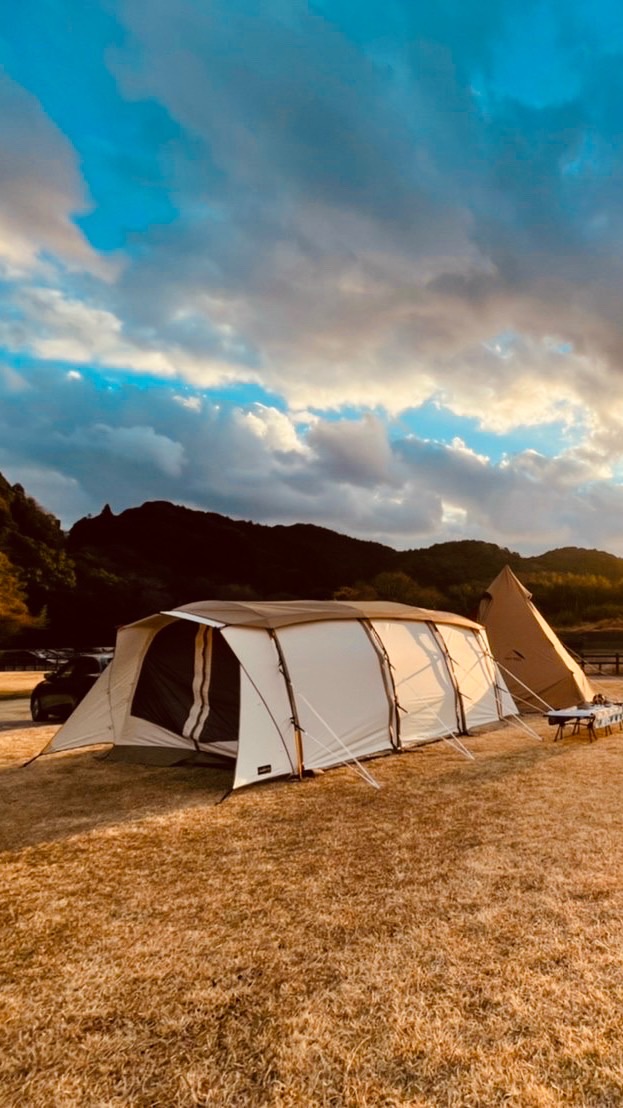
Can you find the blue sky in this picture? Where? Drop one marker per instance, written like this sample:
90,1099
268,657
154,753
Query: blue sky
353,264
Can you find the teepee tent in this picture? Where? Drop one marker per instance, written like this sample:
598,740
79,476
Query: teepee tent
540,673
282,688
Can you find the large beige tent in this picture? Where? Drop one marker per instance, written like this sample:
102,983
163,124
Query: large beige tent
540,673
279,689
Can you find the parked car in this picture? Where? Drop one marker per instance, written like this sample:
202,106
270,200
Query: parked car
62,690
22,660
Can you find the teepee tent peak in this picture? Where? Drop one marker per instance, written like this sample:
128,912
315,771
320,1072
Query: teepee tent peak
280,689
539,671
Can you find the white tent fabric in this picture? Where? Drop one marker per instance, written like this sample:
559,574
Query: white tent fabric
475,673
283,689
266,711
342,705
424,688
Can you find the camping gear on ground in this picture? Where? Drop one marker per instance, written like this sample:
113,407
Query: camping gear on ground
600,715
540,673
288,687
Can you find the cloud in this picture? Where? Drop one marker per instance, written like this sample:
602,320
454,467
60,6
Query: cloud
355,452
57,328
12,382
135,445
273,428
364,211
77,445
40,191
363,207
374,201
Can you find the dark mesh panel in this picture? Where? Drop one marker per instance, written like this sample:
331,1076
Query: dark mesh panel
224,695
164,693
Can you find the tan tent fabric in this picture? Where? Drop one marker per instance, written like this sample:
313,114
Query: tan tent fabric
539,672
281,689
286,613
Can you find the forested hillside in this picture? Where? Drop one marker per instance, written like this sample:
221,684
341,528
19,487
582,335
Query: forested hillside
36,571
111,569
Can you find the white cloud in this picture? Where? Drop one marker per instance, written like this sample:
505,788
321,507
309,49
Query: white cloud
273,427
40,190
362,224
142,445
57,328
191,403
129,445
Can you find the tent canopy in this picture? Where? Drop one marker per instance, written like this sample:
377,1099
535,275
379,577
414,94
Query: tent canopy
539,672
285,613
288,687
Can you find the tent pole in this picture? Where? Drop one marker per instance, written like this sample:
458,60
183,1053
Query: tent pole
487,654
283,665
460,707
388,682
270,714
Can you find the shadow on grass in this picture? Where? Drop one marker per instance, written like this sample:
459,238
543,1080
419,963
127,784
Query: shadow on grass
19,724
496,765
58,796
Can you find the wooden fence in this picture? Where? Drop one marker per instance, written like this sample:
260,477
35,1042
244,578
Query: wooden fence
600,661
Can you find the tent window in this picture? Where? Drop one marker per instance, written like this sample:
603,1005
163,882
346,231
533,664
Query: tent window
190,684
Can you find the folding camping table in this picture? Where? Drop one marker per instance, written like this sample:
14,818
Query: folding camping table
594,717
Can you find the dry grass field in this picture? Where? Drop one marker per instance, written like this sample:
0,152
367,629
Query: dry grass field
14,685
454,939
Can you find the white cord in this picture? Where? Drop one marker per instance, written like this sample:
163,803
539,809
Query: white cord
351,760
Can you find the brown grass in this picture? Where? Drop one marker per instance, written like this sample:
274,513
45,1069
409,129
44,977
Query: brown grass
14,685
455,939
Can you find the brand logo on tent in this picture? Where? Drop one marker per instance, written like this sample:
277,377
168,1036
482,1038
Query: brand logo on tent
263,769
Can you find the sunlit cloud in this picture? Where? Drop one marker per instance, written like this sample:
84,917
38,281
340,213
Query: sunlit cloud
241,270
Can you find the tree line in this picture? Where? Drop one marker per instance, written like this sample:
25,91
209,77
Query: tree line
75,588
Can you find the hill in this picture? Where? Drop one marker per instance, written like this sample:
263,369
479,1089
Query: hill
112,569
186,546
34,565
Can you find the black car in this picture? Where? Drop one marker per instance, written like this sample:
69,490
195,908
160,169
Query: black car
23,660
62,690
